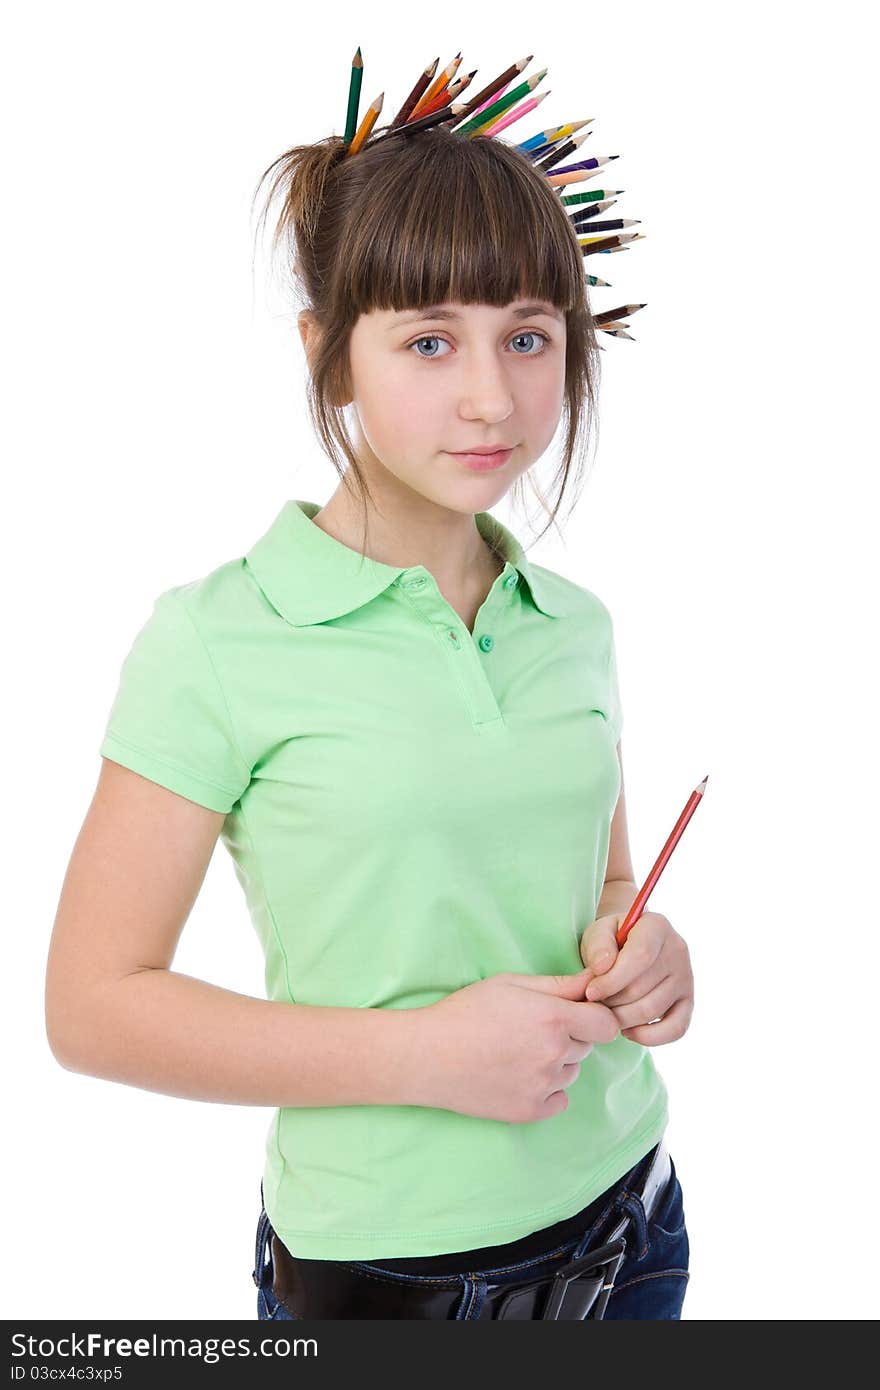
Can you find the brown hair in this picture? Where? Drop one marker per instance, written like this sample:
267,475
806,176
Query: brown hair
413,220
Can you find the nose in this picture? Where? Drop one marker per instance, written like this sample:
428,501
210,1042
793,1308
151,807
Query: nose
485,389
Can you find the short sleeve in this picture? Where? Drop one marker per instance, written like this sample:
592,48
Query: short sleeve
170,720
615,713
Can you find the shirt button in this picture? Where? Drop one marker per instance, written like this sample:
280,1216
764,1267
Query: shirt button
510,581
486,643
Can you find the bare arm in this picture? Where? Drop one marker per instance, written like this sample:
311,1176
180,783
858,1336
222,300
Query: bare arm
620,887
115,1009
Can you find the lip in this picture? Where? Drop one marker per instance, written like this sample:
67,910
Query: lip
483,462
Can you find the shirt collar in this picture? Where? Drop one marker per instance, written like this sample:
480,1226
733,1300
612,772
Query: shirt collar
310,577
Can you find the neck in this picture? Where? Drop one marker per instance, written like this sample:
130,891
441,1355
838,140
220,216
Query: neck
406,529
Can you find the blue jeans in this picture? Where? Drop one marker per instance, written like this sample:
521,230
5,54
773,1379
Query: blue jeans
650,1283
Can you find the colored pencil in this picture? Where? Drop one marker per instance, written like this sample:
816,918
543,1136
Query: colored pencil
538,147
421,84
454,110
557,180
544,137
583,214
569,147
594,195
354,96
475,126
593,162
601,243
609,315
478,102
610,224
518,111
449,94
366,124
442,80
644,893
488,101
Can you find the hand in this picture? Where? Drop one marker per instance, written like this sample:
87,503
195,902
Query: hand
506,1047
647,983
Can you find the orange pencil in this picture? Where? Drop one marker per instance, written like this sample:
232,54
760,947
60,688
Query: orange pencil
442,80
448,94
647,887
366,124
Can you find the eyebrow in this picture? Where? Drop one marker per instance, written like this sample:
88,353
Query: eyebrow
436,311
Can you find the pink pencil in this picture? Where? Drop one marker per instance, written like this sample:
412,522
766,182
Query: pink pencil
493,97
514,114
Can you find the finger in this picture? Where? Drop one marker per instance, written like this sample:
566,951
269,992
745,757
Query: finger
637,954
568,1074
599,947
669,1029
591,1022
656,1003
633,992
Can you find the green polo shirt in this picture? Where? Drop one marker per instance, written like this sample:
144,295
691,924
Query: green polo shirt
410,808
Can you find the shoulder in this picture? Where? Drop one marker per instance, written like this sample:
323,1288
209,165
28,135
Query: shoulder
216,604
174,717
204,626
573,600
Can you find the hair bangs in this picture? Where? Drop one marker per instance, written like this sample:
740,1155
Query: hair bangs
450,221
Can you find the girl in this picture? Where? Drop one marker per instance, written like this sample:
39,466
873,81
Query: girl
408,738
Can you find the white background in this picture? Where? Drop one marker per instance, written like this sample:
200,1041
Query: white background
156,422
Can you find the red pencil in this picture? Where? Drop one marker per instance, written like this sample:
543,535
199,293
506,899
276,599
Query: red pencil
644,893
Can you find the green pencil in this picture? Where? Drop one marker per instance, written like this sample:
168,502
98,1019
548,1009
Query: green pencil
354,96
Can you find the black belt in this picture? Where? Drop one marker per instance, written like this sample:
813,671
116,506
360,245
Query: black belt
578,1289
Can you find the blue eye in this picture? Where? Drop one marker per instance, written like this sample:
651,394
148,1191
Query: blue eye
432,338
531,334
435,338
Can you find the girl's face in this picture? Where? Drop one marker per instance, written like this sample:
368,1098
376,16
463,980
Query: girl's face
430,384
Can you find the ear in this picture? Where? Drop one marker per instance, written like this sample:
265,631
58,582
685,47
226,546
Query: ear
308,330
